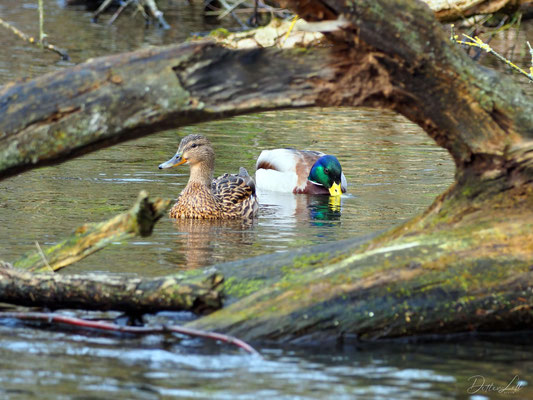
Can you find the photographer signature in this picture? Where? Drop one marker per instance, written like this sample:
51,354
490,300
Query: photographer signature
479,385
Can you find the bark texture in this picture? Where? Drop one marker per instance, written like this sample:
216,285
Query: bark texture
110,292
465,264
117,98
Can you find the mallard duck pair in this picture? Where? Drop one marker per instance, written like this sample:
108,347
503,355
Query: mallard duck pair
234,195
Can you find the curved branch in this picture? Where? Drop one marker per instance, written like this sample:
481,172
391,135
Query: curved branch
100,325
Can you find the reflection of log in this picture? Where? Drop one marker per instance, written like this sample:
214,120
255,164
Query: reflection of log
89,238
110,292
464,264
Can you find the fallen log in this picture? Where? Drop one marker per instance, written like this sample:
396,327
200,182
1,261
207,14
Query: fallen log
100,291
477,276
89,238
76,110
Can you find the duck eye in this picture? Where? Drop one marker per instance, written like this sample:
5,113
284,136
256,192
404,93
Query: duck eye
194,145
326,170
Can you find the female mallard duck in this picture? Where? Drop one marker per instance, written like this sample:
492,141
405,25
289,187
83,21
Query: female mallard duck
299,171
228,196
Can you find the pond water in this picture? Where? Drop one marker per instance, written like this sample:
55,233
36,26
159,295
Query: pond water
394,171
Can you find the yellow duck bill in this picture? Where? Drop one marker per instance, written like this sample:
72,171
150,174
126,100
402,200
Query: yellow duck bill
334,190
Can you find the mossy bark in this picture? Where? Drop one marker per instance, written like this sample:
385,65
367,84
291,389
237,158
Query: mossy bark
442,273
112,99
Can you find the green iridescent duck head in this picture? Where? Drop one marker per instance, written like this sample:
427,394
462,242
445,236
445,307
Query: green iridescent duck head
327,171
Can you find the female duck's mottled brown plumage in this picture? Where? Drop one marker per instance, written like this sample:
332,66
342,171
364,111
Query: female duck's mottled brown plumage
227,197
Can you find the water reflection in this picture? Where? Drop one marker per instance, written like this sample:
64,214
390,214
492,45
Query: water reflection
197,240
324,208
294,208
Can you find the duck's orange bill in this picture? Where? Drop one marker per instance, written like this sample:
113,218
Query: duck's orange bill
181,161
174,161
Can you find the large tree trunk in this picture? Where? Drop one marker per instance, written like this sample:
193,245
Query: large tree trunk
464,264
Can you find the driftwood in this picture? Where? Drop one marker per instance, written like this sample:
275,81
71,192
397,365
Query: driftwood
89,238
110,292
464,264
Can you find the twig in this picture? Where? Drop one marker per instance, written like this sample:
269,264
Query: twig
230,9
531,53
106,326
43,257
271,10
477,42
140,9
31,39
227,7
293,22
41,23
101,9
119,11
157,13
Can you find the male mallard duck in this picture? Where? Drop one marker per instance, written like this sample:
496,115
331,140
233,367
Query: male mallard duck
228,196
299,171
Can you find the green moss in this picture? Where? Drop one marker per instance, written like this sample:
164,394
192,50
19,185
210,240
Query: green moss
220,33
234,287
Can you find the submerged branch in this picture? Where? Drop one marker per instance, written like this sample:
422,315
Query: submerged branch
30,39
106,326
89,238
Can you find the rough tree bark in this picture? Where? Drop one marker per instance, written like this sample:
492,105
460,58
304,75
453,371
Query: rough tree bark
110,292
464,264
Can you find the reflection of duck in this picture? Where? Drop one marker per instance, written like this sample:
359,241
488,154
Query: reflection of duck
325,209
228,196
206,242
290,210
299,171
